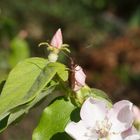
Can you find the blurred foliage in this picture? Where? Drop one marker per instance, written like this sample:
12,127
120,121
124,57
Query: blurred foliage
104,36
19,51
135,19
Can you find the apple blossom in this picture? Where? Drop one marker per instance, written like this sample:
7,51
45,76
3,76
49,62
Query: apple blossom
99,122
79,77
57,39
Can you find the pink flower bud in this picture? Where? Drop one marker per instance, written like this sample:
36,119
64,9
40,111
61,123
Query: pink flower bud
79,78
57,39
136,111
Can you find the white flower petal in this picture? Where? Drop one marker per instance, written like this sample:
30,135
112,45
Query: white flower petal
115,137
78,131
131,134
57,39
93,110
121,116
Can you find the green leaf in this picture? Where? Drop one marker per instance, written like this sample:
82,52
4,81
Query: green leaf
30,87
86,92
17,112
24,82
97,93
61,70
54,120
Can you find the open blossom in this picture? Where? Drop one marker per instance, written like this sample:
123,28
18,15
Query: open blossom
80,77
57,39
98,122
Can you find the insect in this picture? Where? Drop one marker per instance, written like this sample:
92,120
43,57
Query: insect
72,79
74,69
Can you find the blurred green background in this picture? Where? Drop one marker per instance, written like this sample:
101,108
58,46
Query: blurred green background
104,37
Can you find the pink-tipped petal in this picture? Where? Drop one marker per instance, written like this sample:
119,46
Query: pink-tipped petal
93,111
121,116
131,134
57,39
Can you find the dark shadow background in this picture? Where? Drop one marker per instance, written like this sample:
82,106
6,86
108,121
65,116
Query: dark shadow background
104,37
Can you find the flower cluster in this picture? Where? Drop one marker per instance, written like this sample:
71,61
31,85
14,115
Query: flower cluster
99,122
55,46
